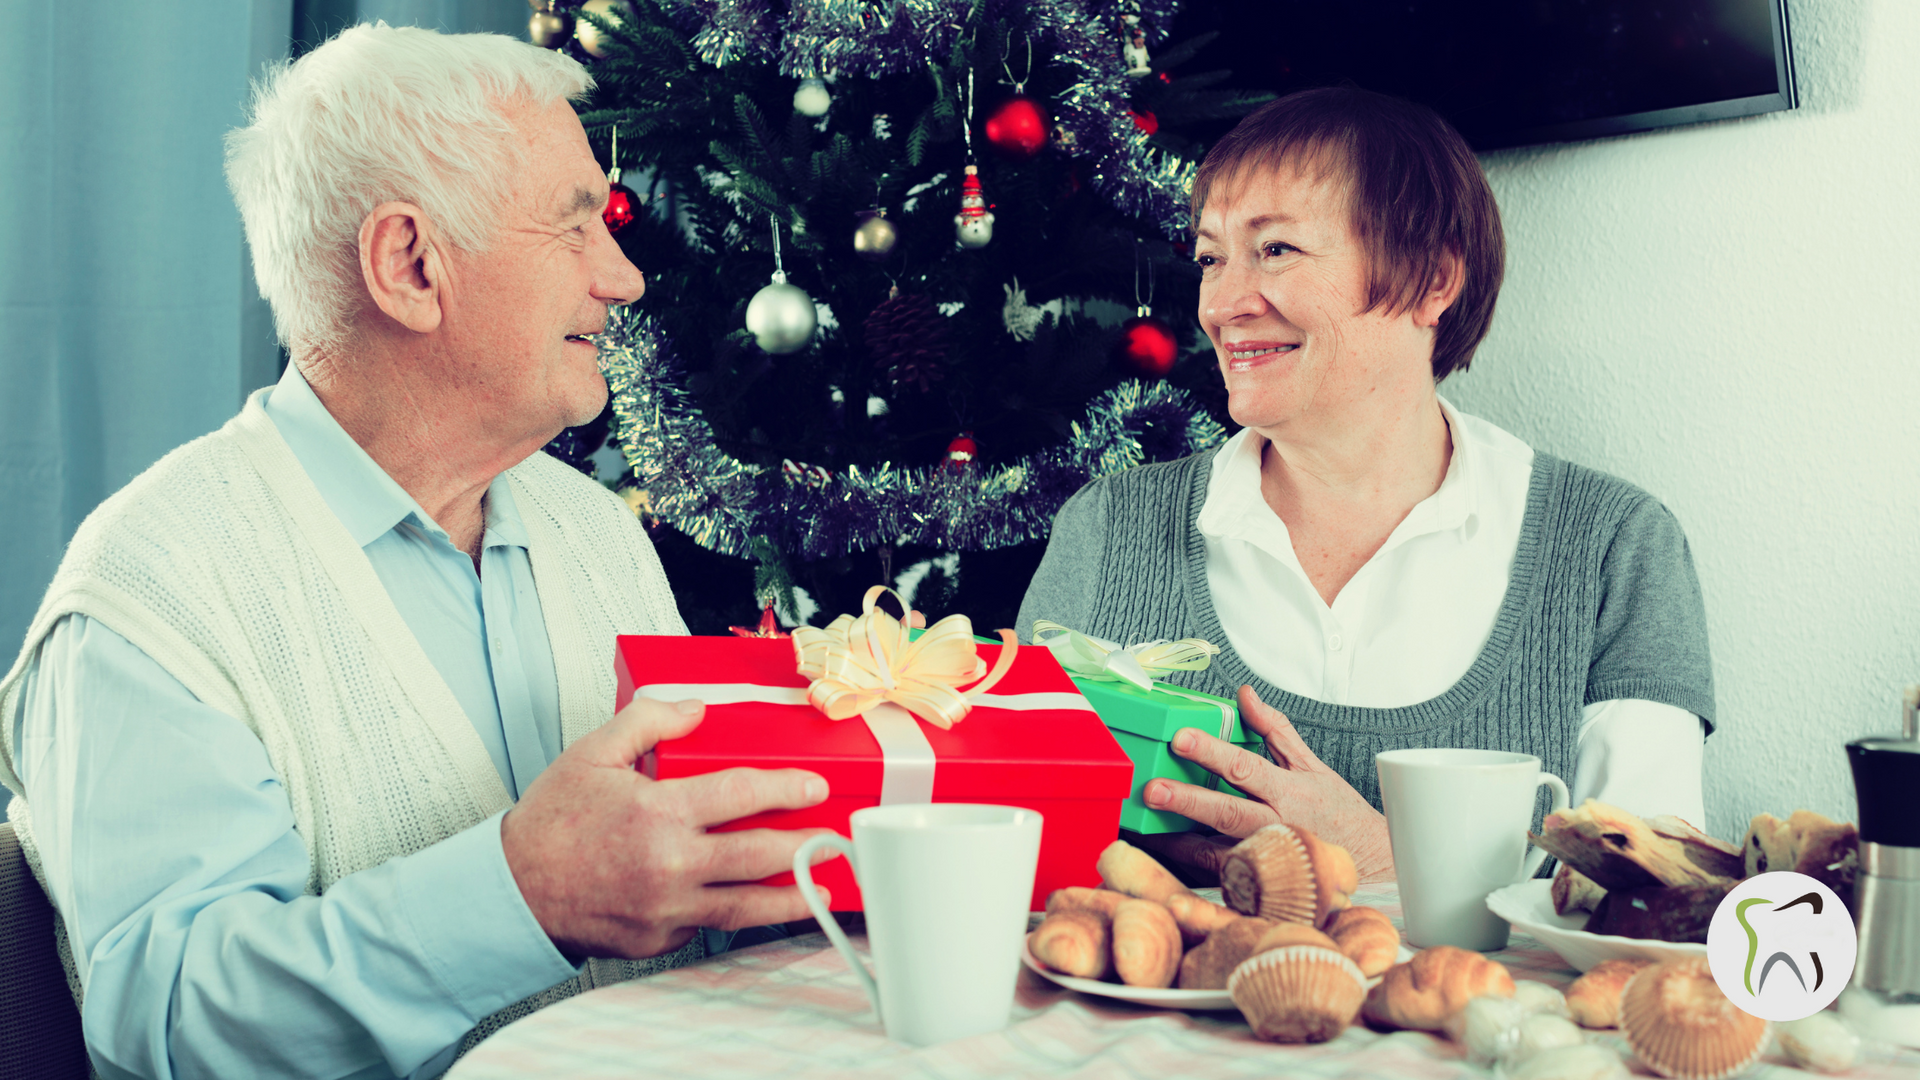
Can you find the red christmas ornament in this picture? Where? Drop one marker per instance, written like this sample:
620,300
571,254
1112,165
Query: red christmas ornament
622,203
1018,128
962,452
622,206
1145,120
1147,345
769,626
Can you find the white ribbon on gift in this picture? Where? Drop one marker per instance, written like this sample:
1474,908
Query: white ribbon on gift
906,757
1138,665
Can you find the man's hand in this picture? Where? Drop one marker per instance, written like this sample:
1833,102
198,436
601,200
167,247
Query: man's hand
614,864
1304,792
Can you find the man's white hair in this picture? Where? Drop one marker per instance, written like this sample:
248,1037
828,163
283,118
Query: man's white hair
379,114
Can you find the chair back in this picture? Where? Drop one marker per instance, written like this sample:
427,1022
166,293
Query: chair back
39,1026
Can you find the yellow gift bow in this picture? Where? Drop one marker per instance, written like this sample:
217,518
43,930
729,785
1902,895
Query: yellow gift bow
856,662
1094,658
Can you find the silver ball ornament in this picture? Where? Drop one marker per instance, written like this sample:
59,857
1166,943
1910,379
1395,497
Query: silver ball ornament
781,316
812,98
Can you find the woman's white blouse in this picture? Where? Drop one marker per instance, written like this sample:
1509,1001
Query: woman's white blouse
1416,616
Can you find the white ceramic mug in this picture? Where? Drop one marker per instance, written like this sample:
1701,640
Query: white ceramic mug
946,887
1458,822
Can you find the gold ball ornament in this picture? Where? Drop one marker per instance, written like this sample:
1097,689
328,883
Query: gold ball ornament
592,38
875,238
550,29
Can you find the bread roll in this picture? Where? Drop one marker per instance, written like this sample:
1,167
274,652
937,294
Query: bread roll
1594,998
1806,843
1075,942
1366,937
1438,982
1660,913
1207,966
1146,943
1618,850
1127,869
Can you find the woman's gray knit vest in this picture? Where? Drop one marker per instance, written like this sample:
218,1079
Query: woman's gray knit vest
1602,604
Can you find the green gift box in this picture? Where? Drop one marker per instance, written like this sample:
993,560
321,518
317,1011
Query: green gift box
1144,723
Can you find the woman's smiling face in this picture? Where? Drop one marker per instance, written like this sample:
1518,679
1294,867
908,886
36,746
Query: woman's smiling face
1283,293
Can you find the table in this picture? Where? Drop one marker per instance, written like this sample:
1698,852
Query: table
793,1009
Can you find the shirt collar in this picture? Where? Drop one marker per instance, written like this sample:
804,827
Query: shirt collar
354,486
1233,494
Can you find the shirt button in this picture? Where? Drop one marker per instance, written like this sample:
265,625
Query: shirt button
496,644
1334,643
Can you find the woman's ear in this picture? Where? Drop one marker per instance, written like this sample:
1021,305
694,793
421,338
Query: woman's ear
1441,291
401,266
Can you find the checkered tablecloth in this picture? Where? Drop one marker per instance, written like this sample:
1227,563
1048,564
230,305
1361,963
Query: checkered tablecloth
792,1009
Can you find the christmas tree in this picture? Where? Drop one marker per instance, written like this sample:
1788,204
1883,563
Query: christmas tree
913,273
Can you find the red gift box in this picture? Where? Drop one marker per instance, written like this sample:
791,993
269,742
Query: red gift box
1060,762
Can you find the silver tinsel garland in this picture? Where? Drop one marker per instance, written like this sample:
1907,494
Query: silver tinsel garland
890,37
723,503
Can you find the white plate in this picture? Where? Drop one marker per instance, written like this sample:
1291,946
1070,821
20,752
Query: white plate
1529,907
1139,995
1147,995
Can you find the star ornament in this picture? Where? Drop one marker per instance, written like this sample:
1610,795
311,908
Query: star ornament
768,627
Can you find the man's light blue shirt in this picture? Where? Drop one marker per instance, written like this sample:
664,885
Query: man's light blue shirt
170,843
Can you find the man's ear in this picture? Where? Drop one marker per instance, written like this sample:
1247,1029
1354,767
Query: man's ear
402,267
1442,291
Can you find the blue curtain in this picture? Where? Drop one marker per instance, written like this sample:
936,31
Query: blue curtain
129,323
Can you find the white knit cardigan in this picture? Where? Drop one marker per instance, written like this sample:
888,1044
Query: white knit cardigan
223,563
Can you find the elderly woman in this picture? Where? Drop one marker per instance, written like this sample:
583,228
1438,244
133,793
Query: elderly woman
1386,570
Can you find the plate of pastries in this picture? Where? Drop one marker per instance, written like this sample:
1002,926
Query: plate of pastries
1288,948
1646,888
1303,963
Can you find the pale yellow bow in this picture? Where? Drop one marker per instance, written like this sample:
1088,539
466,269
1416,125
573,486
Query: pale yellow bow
857,662
1096,658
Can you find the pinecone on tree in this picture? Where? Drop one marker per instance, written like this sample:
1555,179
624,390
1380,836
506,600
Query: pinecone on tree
909,338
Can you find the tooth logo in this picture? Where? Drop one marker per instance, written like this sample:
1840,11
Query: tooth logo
1781,946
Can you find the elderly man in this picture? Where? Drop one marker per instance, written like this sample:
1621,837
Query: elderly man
311,732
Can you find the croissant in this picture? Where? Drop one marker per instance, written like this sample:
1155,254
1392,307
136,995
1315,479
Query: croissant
1075,896
1127,869
1366,936
1594,998
1075,942
1197,916
1146,943
1438,982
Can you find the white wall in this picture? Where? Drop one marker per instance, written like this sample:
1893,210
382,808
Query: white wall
1728,315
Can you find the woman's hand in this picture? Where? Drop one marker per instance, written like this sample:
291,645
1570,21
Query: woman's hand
1301,792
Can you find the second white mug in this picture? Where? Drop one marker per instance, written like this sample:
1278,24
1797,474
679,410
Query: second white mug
1458,820
946,888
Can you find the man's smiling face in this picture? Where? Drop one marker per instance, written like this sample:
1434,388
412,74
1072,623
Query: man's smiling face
519,310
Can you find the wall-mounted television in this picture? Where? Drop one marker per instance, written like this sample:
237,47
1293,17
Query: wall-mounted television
1515,72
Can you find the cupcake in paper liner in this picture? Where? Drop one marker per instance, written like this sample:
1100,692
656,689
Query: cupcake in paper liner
1682,1026
1298,994
1287,874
